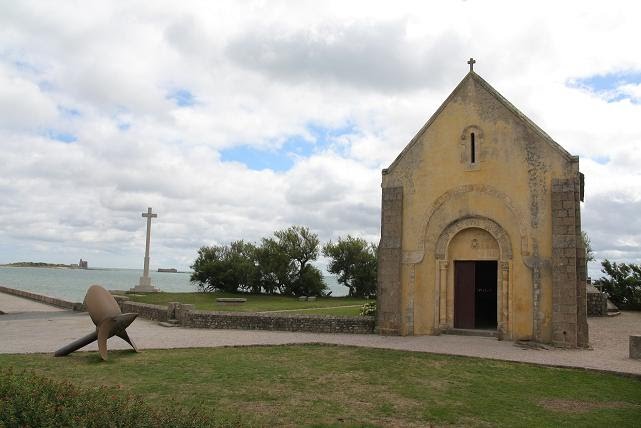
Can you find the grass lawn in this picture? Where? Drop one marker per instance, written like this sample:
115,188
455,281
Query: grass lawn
257,303
330,385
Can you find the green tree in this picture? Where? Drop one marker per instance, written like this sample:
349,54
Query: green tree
242,261
226,268
206,266
274,266
284,262
309,283
623,284
587,244
354,261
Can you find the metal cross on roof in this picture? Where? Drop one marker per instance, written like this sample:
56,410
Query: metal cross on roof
471,62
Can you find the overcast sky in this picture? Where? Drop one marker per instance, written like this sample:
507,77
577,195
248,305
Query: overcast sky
233,119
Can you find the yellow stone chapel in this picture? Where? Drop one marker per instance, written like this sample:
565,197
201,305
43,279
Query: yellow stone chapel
481,227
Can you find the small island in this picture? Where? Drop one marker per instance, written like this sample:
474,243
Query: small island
168,270
81,265
37,265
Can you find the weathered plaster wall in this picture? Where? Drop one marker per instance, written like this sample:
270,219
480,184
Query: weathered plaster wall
510,184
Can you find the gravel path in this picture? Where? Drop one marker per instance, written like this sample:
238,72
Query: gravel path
30,327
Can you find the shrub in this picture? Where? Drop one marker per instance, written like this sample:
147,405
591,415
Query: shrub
368,309
31,400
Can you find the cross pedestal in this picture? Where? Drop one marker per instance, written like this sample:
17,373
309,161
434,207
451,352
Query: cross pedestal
144,285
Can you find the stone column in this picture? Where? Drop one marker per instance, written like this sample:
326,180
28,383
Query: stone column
389,262
443,324
409,312
569,308
503,326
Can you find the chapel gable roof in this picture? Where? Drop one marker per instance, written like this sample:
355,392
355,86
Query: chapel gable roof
501,99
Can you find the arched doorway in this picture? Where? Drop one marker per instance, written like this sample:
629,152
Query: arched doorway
473,257
475,254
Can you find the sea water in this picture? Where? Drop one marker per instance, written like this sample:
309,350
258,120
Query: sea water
72,284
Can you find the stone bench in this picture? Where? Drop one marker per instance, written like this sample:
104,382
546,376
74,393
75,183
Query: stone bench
231,300
307,299
635,347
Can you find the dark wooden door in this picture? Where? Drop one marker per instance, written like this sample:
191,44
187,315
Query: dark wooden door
464,294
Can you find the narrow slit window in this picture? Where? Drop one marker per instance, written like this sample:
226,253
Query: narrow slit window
472,148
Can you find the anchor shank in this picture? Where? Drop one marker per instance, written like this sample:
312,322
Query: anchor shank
76,344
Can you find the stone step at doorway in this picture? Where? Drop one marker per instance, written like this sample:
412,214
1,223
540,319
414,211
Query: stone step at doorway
472,332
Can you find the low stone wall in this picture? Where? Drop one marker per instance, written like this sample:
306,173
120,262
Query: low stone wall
597,305
53,301
597,302
187,316
144,310
635,347
279,322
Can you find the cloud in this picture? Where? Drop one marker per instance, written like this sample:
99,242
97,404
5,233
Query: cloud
106,109
612,87
23,105
614,227
182,97
376,56
632,91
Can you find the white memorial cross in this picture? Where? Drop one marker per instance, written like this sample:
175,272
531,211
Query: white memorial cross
145,280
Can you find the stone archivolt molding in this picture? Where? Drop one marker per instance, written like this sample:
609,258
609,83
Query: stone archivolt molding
444,309
457,192
469,129
484,223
